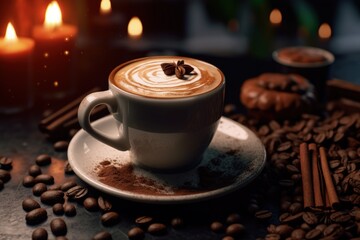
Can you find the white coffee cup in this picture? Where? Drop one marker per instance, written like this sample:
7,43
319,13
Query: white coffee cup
165,123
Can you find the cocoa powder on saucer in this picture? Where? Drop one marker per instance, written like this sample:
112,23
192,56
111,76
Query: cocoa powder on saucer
128,177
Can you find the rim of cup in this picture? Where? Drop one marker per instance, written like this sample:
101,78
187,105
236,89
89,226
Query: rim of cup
287,62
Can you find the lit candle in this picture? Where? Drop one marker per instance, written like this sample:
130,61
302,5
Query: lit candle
15,72
54,50
107,25
324,31
135,28
275,17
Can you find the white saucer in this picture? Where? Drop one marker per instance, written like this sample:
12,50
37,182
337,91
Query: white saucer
234,152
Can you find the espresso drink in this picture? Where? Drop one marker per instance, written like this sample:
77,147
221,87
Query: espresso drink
146,77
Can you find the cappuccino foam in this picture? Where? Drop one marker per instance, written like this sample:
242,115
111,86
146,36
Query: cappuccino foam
145,77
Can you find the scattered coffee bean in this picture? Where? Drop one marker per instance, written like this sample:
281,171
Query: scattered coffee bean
217,227
310,218
333,229
295,207
54,187
91,204
39,188
283,230
67,185
28,181
43,160
235,229
58,209
61,145
29,204
177,222
263,214
39,234
144,221
233,218
272,236
103,235
298,234
44,178
58,227
67,168
36,216
34,170
157,229
136,233
104,204
4,175
313,234
69,209
6,163
110,218
51,197
340,217
77,192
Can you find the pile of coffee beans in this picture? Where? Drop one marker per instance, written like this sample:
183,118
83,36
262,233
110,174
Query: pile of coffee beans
339,133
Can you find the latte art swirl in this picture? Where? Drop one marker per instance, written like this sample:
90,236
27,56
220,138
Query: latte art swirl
145,77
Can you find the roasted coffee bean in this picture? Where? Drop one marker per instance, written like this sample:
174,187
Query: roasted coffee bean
51,197
295,207
233,218
235,229
284,146
91,204
313,234
136,233
58,227
77,192
286,183
29,204
144,221
28,181
305,226
43,160
104,204
44,178
340,217
263,214
177,222
157,229
4,175
284,230
274,125
67,168
291,218
69,209
298,234
61,145
58,209
39,234
272,236
310,218
34,170
54,187
36,216
110,218
333,230
353,154
320,138
217,227
6,163
334,164
39,188
1,185
103,235
67,185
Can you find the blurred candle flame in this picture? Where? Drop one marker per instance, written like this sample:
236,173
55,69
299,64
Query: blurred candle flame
324,31
105,7
275,17
53,16
10,34
135,27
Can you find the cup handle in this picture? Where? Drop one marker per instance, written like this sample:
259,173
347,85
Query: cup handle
121,141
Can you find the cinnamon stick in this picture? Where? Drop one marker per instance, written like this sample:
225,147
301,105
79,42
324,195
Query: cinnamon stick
316,176
308,192
64,110
330,188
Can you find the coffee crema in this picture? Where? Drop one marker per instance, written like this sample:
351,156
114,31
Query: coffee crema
145,77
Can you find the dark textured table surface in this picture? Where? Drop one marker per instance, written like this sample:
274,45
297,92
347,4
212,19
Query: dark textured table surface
22,141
